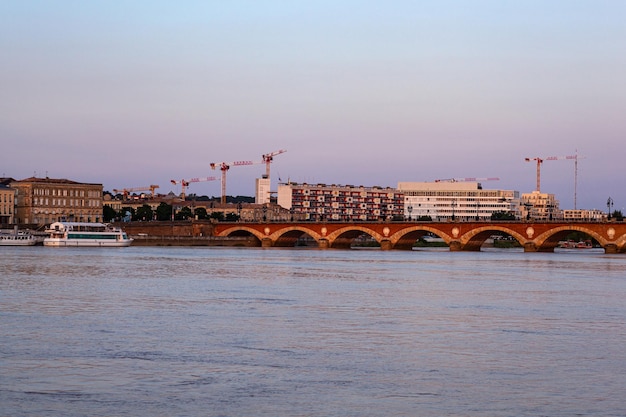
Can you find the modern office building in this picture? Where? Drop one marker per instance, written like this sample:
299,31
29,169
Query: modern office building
47,200
340,202
454,200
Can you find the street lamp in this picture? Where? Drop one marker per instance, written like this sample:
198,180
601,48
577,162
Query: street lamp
453,204
528,207
550,207
477,208
609,204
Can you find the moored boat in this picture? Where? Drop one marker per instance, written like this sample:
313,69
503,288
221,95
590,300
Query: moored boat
570,244
18,239
85,234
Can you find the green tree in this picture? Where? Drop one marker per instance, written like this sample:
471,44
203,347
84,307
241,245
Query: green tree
144,213
217,215
200,213
164,212
502,215
108,213
184,214
618,216
232,217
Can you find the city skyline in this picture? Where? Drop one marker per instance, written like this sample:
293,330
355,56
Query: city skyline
133,94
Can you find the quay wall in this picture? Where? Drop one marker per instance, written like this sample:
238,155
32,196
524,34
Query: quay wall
180,233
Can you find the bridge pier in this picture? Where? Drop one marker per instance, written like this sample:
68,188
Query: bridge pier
323,244
530,247
455,246
385,244
266,242
610,248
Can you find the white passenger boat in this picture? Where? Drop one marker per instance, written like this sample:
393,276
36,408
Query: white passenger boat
85,234
18,239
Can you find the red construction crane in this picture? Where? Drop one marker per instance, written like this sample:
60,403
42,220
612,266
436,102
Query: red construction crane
185,183
268,158
126,191
549,158
470,179
225,166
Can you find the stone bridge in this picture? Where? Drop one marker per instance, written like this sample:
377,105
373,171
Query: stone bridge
459,236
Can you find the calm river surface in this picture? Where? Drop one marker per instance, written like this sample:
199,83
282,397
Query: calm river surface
170,331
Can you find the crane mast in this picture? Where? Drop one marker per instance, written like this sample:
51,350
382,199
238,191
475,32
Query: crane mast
224,167
268,158
552,158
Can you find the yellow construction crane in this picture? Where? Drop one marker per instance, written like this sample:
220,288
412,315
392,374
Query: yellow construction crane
126,191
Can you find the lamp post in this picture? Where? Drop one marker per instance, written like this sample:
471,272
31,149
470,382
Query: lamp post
549,207
528,207
477,208
453,204
609,204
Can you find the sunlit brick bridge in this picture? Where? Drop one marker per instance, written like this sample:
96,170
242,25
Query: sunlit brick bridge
459,236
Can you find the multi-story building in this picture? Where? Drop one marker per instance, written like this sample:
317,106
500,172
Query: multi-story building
583,215
47,200
340,202
540,206
7,205
452,200
263,193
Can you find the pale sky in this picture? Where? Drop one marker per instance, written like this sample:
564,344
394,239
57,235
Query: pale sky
133,93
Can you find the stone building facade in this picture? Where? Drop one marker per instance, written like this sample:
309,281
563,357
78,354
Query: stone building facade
47,200
7,205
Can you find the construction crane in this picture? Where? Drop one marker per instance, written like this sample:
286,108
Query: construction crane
224,167
550,158
470,179
268,158
126,191
185,183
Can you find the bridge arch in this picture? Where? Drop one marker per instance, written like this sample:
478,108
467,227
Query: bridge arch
405,238
343,237
475,238
240,231
288,236
547,241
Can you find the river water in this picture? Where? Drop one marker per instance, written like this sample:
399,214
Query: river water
174,331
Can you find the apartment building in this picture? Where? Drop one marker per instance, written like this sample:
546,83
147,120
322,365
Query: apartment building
321,202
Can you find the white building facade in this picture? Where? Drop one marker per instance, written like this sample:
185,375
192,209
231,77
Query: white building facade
263,193
460,201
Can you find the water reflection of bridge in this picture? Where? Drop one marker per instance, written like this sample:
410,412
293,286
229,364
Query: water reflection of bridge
459,236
